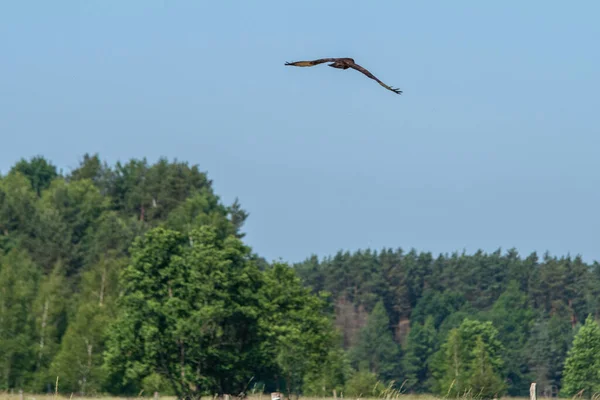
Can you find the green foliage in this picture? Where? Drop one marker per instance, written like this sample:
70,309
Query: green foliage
80,358
470,361
437,305
422,344
152,192
17,206
484,378
535,303
513,317
189,312
38,171
582,367
547,349
19,279
157,383
93,169
201,209
331,375
71,210
376,350
300,334
50,312
361,384
70,233
67,239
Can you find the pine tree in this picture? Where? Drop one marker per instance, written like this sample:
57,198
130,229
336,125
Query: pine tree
421,345
513,317
375,350
548,345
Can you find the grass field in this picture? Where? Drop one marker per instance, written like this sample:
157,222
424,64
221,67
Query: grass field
29,396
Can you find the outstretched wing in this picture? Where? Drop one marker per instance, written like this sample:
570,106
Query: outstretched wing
370,75
310,63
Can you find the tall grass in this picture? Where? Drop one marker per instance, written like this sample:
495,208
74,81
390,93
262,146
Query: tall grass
386,394
379,392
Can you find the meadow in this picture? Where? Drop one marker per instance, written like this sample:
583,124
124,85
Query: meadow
51,396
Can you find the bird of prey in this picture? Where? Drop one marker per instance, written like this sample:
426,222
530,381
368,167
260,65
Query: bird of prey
342,63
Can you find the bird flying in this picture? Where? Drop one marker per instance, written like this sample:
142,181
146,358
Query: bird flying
342,63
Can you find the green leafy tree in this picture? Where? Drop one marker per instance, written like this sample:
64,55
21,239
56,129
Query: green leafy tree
455,319
93,169
151,192
484,377
112,234
50,311
92,216
470,360
17,203
299,332
19,279
200,209
17,210
80,358
38,170
582,367
332,374
66,215
189,312
362,384
129,190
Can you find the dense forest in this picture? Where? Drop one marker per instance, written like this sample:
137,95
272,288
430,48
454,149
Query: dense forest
135,277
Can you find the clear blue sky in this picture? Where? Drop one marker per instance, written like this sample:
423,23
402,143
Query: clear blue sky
494,142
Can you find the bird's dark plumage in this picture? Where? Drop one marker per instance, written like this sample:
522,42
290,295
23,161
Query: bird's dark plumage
342,63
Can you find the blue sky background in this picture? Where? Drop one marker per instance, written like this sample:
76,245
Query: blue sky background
494,142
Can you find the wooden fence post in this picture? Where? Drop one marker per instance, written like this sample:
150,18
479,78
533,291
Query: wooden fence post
276,396
532,391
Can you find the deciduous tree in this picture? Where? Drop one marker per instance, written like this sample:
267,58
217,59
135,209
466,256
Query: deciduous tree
582,367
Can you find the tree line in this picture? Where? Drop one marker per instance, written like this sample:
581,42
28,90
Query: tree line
135,277
434,310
